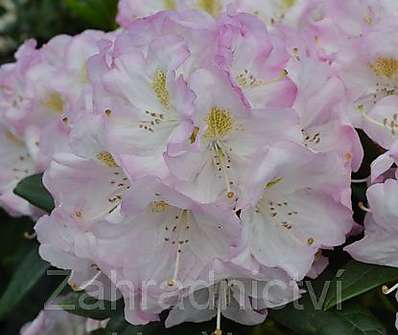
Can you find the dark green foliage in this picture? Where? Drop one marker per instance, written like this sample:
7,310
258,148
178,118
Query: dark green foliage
33,190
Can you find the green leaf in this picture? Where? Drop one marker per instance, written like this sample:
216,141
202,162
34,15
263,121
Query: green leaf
81,304
98,13
355,279
306,316
33,190
12,240
270,327
29,272
360,320
353,319
98,332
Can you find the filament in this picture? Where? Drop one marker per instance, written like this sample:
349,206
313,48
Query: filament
363,207
387,290
172,282
360,181
218,330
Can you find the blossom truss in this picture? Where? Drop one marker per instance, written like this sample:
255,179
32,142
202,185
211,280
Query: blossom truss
36,112
186,144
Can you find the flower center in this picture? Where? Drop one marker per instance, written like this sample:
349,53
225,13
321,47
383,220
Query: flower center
54,102
170,4
385,67
288,3
107,158
210,6
159,86
219,123
159,206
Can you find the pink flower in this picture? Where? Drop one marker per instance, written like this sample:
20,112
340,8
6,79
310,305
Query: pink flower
54,320
152,105
227,138
87,163
190,144
71,244
383,163
16,164
236,294
187,234
369,72
295,205
271,12
379,244
256,62
13,98
321,104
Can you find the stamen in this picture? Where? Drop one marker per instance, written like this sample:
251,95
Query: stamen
273,182
360,181
218,330
159,206
219,123
194,135
107,158
387,290
245,79
173,281
391,125
155,120
311,139
30,236
86,284
159,86
385,67
363,207
219,163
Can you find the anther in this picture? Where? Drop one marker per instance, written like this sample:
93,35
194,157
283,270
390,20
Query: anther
363,207
387,290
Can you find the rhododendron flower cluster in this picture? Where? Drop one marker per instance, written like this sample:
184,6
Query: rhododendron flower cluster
206,137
